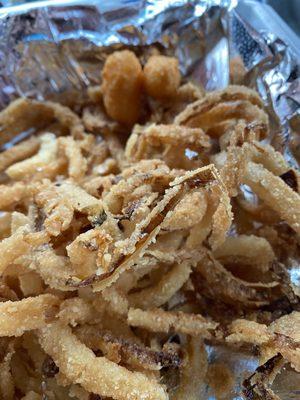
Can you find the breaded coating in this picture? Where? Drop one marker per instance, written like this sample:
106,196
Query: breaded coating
122,79
162,77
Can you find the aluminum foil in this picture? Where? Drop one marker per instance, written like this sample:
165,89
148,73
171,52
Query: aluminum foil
56,50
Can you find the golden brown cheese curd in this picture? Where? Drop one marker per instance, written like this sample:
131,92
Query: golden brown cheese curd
122,78
162,77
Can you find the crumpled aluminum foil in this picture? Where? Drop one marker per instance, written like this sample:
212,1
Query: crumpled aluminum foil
55,50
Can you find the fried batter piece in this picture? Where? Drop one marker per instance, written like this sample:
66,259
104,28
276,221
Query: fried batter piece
122,80
217,111
162,77
190,145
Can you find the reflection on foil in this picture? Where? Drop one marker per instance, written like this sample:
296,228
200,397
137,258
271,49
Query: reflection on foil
56,51
226,372
294,274
287,384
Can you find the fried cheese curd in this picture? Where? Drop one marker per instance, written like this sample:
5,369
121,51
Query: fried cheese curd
122,80
162,76
137,231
